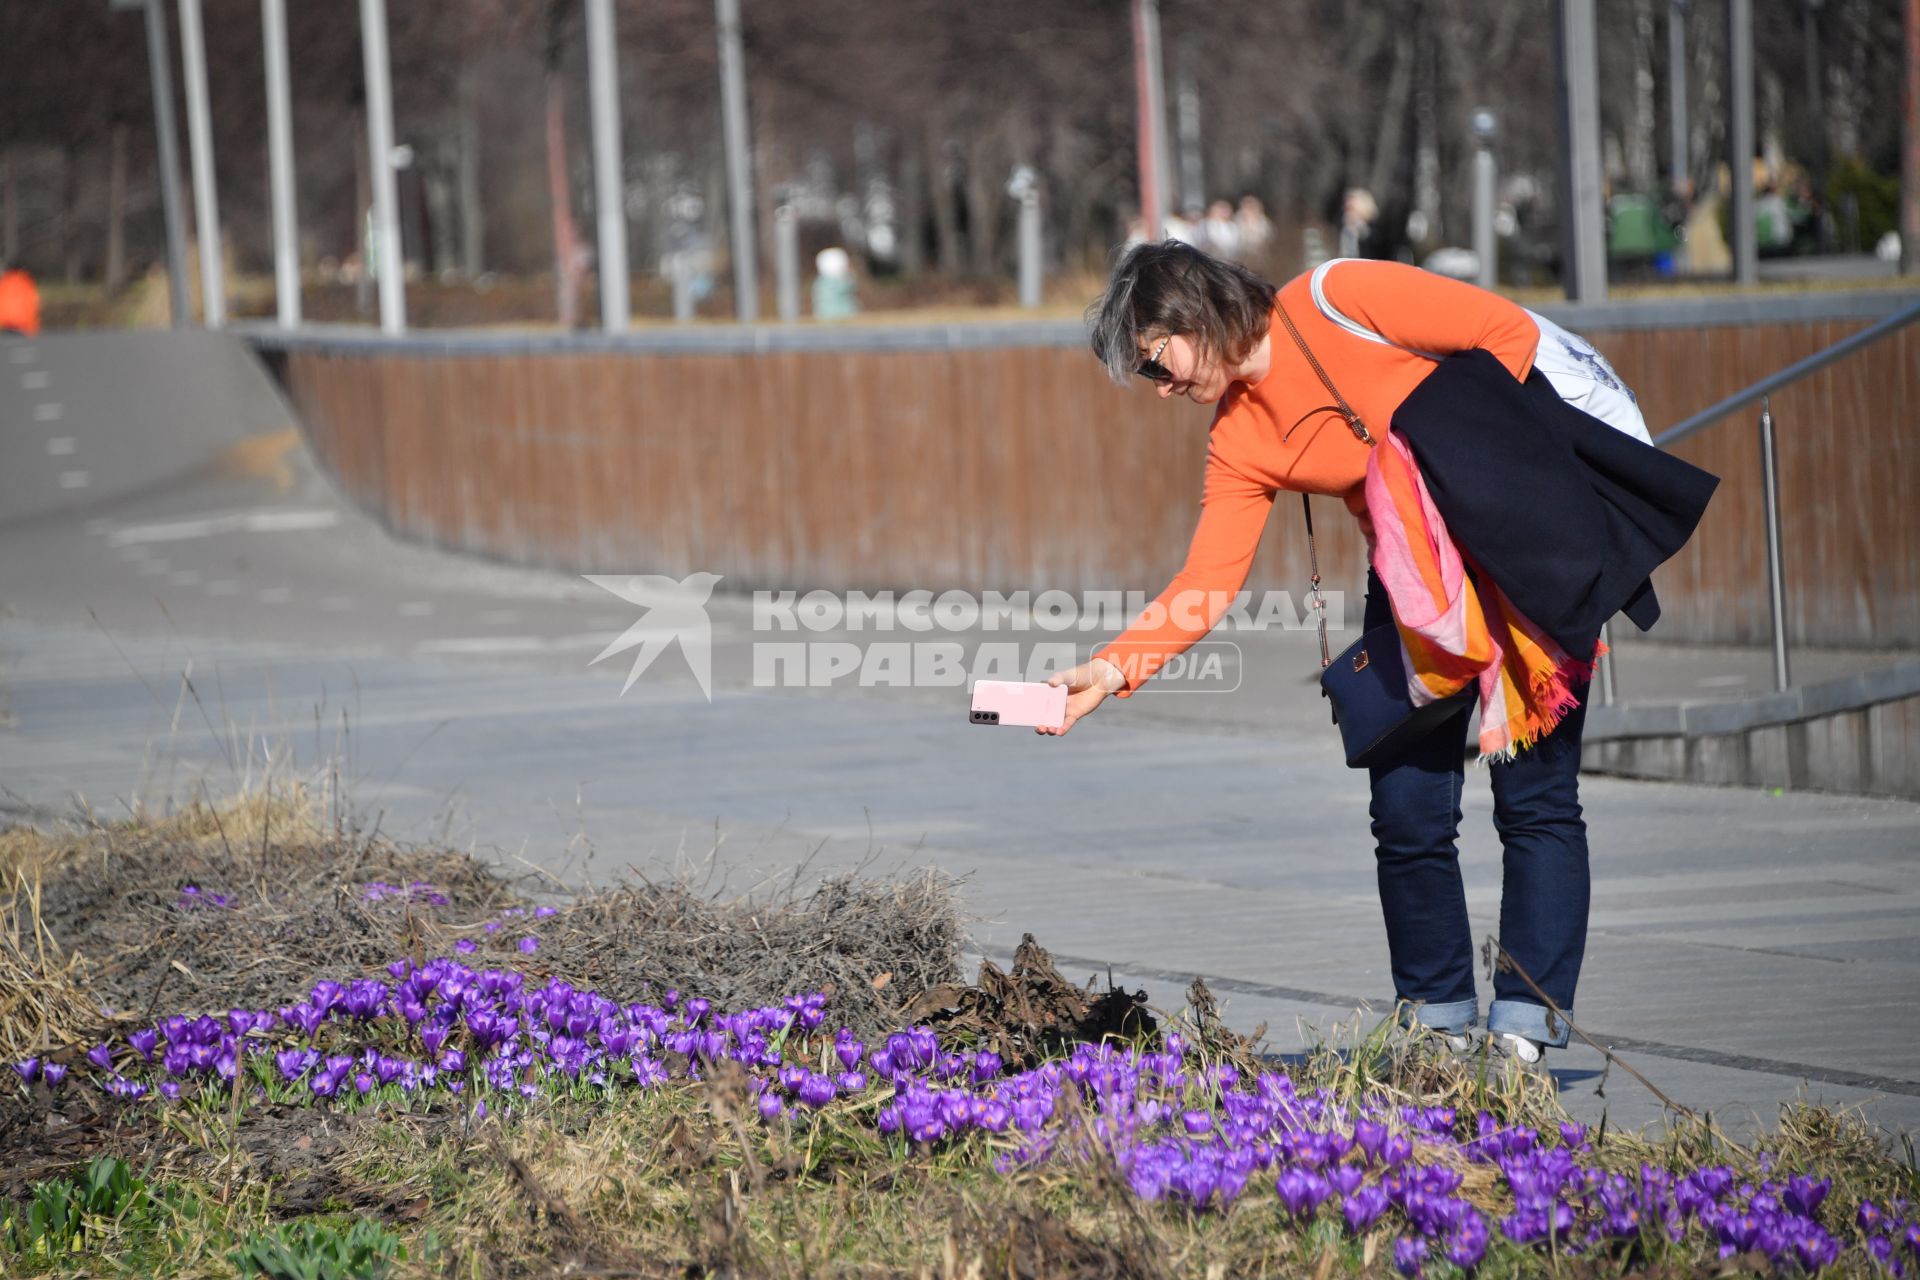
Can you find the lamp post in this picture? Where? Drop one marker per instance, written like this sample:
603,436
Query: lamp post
1485,176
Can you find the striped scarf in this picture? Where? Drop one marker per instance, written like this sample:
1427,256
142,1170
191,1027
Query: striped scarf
1453,633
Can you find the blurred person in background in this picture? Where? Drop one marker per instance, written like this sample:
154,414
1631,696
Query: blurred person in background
1331,385
1219,234
1359,211
19,303
834,296
1256,229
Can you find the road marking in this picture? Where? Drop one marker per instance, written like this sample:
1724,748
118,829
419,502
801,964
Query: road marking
48,412
223,587
520,644
224,522
36,380
75,479
1720,682
290,521
416,609
59,446
484,644
499,617
275,595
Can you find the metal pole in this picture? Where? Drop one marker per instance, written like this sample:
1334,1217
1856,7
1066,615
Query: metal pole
160,74
1607,694
1910,148
1746,256
1150,114
1816,96
1776,581
733,118
386,204
1586,270
1030,248
1486,173
193,62
786,260
286,225
1484,248
1186,97
1679,169
609,185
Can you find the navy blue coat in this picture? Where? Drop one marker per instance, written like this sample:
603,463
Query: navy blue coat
1568,515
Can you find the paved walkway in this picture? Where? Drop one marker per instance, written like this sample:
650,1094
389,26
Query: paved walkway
1745,946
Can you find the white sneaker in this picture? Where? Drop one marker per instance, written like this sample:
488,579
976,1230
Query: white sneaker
1518,1047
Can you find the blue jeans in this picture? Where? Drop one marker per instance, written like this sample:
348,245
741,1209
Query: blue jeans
1544,893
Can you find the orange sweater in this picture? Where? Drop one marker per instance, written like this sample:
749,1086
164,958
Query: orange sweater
1283,432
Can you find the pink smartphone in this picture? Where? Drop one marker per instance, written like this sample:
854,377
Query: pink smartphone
1018,702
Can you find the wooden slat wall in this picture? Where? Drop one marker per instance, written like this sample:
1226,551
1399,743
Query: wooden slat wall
1024,468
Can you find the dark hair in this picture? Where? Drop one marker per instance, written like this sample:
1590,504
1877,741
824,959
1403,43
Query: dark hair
1172,287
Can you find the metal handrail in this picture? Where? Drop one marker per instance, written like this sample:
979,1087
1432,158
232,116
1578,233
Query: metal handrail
1763,391
1792,373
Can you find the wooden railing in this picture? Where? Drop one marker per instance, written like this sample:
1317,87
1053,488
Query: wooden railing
1000,457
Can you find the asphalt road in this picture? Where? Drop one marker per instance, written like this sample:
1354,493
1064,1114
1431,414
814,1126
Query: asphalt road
201,623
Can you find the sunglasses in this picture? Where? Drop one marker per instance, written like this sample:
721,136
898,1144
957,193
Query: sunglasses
1151,369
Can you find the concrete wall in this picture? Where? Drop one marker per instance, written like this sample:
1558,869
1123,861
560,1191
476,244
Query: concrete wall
1860,734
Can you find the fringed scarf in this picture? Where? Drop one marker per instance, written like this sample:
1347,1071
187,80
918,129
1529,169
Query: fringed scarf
1452,632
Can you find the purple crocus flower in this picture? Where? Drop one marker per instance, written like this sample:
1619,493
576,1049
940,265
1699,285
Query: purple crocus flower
1536,1223
28,1069
101,1056
143,1042
1804,1194
466,946
1408,1253
1346,1178
1466,1244
1302,1191
528,945
818,1091
1370,1136
1197,1121
1363,1208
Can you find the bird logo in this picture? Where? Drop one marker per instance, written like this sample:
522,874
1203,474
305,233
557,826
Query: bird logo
674,611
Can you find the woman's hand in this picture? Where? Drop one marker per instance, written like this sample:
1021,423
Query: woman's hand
1087,687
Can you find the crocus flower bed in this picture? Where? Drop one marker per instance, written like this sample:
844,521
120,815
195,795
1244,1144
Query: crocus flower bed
1425,1189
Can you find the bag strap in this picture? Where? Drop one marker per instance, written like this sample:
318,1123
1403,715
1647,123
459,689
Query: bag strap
1354,424
1318,603
1359,429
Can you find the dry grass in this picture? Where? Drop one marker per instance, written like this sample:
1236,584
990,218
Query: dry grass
44,1002
101,906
